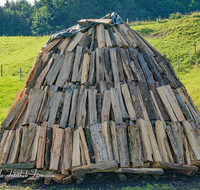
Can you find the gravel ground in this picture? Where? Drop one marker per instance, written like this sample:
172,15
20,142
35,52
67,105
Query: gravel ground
111,181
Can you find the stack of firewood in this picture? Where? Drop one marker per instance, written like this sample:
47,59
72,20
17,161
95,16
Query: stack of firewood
101,101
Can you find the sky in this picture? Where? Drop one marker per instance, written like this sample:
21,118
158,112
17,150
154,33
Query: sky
3,1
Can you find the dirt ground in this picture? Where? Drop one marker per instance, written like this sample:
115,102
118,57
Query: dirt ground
111,181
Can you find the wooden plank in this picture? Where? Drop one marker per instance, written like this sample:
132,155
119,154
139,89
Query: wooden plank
114,64
116,106
49,46
141,171
75,41
86,62
65,70
99,64
92,106
123,146
76,63
85,147
66,109
128,101
67,152
76,161
106,21
135,146
105,115
92,67
98,143
41,147
107,39
93,168
166,104
54,108
107,138
100,35
73,108
27,142
56,149
64,44
114,140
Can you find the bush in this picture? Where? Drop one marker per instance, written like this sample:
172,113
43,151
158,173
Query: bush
175,16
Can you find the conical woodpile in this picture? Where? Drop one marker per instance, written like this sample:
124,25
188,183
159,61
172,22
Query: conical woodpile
102,100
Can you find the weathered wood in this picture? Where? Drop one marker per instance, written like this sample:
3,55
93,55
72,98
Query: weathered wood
92,41
107,39
91,74
98,143
92,106
105,115
86,62
121,70
113,58
106,21
102,86
123,146
135,146
107,138
116,105
3,142
54,108
99,64
129,105
28,140
100,35
67,180
76,157
141,171
56,148
66,109
145,140
57,178
99,106
75,41
85,147
65,70
99,167
49,46
86,42
118,40
135,71
64,44
112,37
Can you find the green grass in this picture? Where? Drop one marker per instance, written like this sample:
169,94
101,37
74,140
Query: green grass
16,52
175,38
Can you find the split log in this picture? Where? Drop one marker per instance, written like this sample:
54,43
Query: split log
121,70
73,108
135,71
57,178
102,86
99,64
123,146
91,74
135,146
145,140
92,106
113,57
80,180
107,39
129,105
99,106
98,143
99,167
54,108
121,36
86,62
66,109
100,35
116,106
41,147
105,115
49,138
67,180
50,45
76,161
86,42
107,138
112,37
64,44
28,140
114,140
118,40
107,68
32,180
75,41
141,171
56,148
65,70
3,142
92,42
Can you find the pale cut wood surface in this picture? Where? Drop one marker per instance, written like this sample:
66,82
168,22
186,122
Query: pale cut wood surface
64,44
100,35
75,41
86,64
105,114
106,21
107,39
76,157
92,106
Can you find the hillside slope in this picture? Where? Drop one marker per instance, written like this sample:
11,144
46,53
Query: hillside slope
175,38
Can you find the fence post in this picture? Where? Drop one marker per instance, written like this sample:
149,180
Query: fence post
195,47
148,19
127,20
20,72
178,62
1,70
137,20
188,55
197,12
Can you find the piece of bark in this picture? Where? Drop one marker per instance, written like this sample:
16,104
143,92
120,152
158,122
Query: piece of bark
99,64
86,62
116,106
135,146
66,109
99,106
65,70
26,144
105,115
75,41
92,64
113,58
76,157
129,105
107,68
123,146
56,149
100,35
98,143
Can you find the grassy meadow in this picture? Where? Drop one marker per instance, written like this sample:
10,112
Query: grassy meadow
173,37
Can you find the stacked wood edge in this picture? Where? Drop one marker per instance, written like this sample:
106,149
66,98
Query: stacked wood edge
103,100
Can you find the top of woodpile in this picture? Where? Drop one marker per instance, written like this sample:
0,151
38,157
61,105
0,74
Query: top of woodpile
102,100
